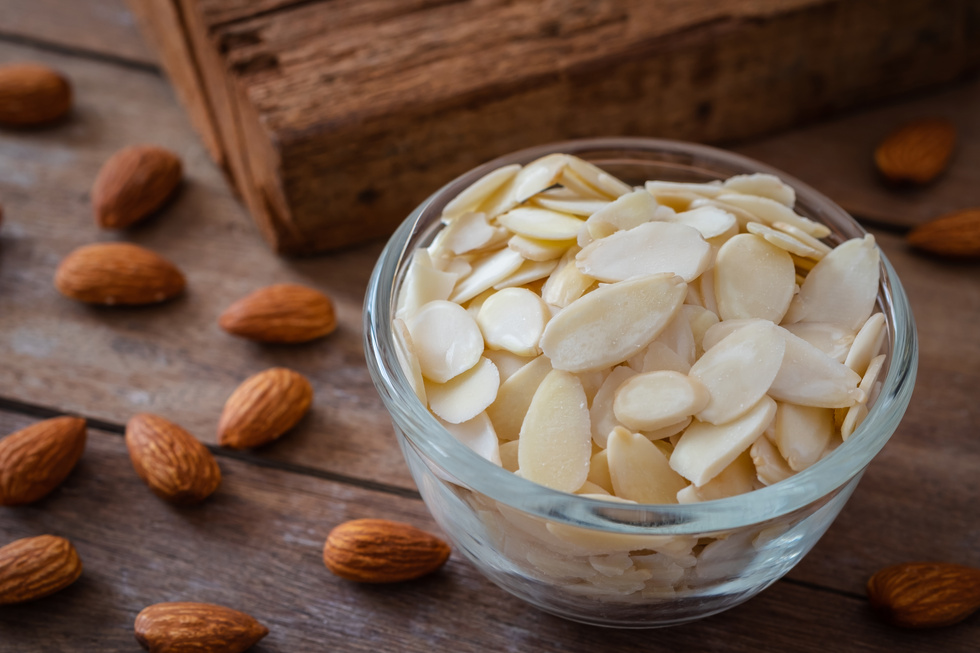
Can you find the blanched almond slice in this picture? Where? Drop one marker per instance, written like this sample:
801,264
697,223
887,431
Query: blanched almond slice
753,278
474,195
541,223
832,339
575,206
598,178
513,319
514,397
478,435
507,363
721,330
639,471
601,415
592,490
529,272
742,216
508,455
556,437
599,471
486,272
474,305
407,358
533,249
737,478
770,211
469,232
658,356
626,212
809,377
446,338
709,294
871,376
566,283
762,185
612,323
841,288
598,542
423,284
769,464
783,241
822,247
654,400
738,371
801,433
855,415
710,221
651,248
706,449
539,175
666,187
579,187
668,431
867,343
466,395
679,336
700,319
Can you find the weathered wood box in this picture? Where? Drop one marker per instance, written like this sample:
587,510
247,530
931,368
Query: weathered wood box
334,118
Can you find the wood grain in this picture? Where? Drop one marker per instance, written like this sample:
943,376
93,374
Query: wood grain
255,546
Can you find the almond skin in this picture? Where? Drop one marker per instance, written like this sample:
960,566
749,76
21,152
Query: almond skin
917,152
37,459
955,235
134,183
925,594
118,274
32,95
171,461
36,567
382,551
264,407
283,313
196,628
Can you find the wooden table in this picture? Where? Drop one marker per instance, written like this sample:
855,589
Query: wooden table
256,544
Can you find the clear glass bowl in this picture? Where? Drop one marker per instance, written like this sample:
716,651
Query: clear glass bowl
623,565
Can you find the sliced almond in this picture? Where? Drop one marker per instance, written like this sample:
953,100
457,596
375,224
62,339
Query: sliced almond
770,466
508,455
632,312
470,232
657,188
855,415
529,272
566,283
626,212
832,339
639,471
809,377
737,478
514,398
802,433
539,175
599,471
658,356
601,413
534,249
659,436
507,363
573,205
784,241
706,449
479,191
466,395
556,436
710,221
513,319
408,358
478,435
753,278
423,283
738,371
654,400
867,344
803,237
541,223
770,211
700,319
447,340
486,273
598,178
650,248
763,185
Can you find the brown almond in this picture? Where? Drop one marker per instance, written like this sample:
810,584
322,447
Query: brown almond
37,459
186,627
118,274
925,594
917,152
36,567
32,94
282,313
133,183
264,407
956,235
171,461
382,551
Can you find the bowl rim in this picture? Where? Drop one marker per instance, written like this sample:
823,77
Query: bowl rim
458,464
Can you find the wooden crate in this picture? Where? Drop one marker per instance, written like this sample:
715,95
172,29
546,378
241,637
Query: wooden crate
334,118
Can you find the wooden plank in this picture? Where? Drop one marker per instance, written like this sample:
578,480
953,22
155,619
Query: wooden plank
99,26
255,545
170,359
835,157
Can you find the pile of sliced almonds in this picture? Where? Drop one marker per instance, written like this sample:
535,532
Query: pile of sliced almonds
678,342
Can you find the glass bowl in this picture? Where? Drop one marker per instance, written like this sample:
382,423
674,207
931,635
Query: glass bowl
627,565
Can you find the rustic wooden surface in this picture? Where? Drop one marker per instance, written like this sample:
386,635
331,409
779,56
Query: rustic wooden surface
256,544
361,106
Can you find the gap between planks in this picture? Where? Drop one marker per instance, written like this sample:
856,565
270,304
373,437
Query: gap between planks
81,53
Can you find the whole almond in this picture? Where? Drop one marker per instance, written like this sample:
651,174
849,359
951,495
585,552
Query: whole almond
32,94
956,235
264,407
196,628
36,567
925,594
382,551
118,274
283,313
37,459
176,466
917,152
133,183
